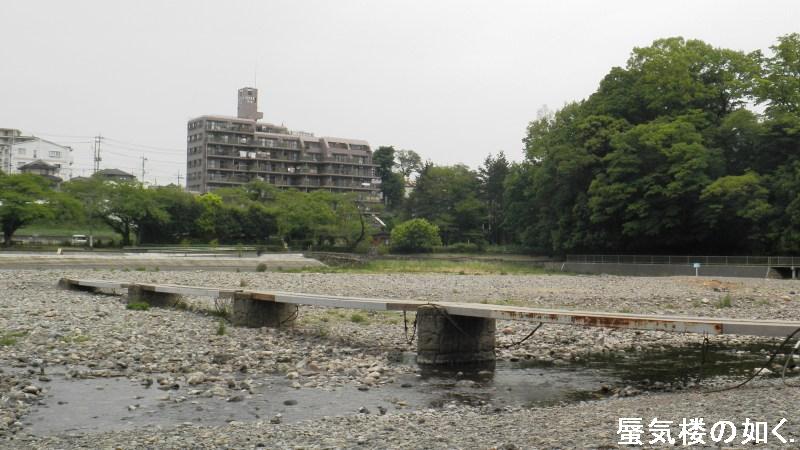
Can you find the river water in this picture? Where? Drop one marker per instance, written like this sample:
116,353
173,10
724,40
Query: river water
104,404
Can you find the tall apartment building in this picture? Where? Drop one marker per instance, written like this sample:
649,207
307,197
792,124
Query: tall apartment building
227,151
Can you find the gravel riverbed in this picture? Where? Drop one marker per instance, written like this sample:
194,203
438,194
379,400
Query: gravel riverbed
189,354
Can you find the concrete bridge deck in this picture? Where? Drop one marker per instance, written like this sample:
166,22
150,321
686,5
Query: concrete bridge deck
680,324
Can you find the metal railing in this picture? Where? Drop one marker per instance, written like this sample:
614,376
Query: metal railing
771,261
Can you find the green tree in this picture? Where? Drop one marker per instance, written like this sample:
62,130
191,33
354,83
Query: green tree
627,169
674,76
415,236
736,208
492,176
392,184
447,196
652,184
346,223
175,214
779,87
303,220
126,205
24,198
408,162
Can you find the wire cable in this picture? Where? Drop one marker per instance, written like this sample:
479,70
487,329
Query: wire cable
514,344
405,328
755,374
789,359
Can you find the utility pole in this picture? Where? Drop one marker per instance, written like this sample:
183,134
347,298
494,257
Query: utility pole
143,161
180,178
97,140
10,150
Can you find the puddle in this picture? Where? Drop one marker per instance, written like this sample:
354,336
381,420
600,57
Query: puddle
101,404
91,405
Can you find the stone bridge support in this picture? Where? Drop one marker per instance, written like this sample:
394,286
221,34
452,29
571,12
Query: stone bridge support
445,339
139,294
248,311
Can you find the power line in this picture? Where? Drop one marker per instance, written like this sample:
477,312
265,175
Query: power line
123,155
61,135
146,146
137,149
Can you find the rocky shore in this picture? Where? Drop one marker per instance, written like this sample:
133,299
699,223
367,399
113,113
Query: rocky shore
191,354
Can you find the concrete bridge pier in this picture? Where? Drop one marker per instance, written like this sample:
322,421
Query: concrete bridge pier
248,311
445,339
138,294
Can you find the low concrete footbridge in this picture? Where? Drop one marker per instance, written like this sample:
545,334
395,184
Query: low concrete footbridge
448,332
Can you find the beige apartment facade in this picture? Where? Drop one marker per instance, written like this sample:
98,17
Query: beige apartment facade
225,151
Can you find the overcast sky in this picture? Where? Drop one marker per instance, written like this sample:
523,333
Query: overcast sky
453,80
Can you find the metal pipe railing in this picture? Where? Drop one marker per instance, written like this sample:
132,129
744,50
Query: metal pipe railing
771,261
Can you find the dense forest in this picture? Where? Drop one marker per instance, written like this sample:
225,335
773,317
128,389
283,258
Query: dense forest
687,149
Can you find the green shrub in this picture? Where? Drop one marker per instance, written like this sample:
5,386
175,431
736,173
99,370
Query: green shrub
357,318
415,236
137,306
725,302
10,338
261,267
363,247
221,328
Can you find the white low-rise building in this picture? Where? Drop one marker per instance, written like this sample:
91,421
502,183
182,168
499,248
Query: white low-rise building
27,149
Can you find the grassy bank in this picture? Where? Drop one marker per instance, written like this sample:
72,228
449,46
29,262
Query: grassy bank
434,266
99,231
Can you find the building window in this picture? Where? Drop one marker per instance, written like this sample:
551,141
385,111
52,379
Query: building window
54,154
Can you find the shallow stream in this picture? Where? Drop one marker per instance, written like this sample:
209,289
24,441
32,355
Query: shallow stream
103,404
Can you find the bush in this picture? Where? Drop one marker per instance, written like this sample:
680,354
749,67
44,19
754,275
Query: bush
137,306
415,236
363,247
357,318
261,267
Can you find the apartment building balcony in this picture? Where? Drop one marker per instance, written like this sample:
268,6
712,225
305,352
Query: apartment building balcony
278,144
347,173
230,127
229,140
